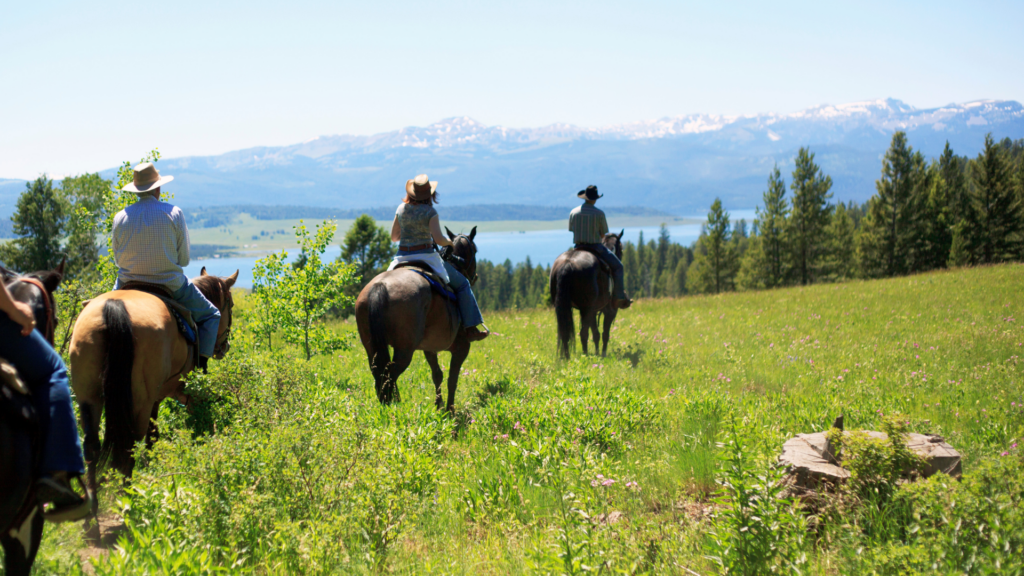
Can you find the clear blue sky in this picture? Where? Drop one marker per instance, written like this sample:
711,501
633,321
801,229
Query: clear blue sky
84,85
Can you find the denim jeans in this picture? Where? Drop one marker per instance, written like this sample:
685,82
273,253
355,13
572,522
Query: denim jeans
609,258
468,307
43,371
204,313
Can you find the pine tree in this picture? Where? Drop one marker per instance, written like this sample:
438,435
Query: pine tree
754,266
369,247
892,237
631,269
39,222
771,225
84,198
714,264
998,229
841,259
811,214
679,278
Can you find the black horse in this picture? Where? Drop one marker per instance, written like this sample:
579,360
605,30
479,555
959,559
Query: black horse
578,280
21,439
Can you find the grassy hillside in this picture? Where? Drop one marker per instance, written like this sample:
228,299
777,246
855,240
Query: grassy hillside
551,466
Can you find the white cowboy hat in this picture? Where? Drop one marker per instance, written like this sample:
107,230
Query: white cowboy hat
146,179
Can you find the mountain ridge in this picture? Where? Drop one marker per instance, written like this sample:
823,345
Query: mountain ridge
677,164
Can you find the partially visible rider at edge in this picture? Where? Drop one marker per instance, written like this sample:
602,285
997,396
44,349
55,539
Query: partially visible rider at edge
43,371
588,226
417,228
151,245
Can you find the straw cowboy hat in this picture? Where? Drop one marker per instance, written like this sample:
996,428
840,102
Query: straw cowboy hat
590,193
146,179
421,188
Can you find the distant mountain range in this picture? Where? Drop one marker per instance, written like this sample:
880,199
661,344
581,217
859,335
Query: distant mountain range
676,165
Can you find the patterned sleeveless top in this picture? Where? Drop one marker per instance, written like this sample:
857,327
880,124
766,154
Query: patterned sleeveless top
414,223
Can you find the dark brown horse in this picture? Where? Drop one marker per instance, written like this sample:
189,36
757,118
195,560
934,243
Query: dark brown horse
21,445
579,281
400,309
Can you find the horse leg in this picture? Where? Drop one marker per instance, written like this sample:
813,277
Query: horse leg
588,318
459,350
596,333
89,414
20,548
399,363
609,317
436,375
153,433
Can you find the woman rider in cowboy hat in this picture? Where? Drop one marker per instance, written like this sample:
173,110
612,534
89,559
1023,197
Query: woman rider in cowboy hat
417,228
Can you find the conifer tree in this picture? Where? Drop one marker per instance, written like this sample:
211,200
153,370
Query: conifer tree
630,268
841,259
892,237
714,264
811,214
771,226
754,268
997,232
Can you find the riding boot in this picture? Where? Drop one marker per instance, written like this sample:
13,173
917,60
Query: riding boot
64,503
203,363
474,334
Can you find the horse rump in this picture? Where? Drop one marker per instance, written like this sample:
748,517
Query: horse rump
119,433
561,294
379,301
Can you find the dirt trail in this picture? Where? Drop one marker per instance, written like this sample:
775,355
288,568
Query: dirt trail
111,526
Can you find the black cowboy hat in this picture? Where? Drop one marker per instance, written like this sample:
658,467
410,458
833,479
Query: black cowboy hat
590,193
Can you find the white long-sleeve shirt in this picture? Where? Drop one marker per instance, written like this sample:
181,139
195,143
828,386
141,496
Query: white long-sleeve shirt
150,242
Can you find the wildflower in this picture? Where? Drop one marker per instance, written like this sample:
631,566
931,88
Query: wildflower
608,482
594,483
1005,454
772,345
599,476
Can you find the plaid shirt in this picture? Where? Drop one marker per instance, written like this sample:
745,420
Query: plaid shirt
151,243
587,224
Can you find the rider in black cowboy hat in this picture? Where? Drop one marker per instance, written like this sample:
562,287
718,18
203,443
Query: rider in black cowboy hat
588,226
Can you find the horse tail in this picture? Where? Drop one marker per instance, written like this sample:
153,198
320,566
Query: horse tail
379,302
561,293
119,434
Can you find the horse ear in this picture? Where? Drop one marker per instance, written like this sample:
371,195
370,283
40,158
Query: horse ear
51,281
450,235
621,233
472,234
203,271
230,280
60,267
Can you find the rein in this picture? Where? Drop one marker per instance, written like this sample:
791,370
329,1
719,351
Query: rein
50,328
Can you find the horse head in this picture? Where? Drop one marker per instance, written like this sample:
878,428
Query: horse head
613,242
36,289
464,247
218,291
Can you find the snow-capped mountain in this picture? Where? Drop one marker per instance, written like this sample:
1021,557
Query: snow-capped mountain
678,164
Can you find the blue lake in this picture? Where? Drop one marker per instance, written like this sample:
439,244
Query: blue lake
542,246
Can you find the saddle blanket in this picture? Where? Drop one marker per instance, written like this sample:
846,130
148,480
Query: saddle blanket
437,286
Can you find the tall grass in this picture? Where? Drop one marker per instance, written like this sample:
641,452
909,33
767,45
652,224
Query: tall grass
605,465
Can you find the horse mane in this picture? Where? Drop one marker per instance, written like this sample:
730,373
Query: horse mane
212,287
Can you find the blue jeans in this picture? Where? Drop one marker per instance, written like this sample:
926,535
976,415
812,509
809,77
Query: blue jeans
204,313
468,307
43,371
609,258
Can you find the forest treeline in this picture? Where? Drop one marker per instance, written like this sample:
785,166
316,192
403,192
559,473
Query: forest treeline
924,215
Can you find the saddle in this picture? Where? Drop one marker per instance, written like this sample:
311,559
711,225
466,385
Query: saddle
182,316
439,285
601,263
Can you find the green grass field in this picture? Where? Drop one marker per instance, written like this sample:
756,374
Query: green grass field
240,234
594,464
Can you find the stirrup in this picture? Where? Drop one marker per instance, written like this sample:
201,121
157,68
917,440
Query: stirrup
71,511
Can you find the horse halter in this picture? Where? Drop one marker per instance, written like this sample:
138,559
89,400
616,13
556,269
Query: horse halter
51,330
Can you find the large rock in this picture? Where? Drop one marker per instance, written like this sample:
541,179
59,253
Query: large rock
811,461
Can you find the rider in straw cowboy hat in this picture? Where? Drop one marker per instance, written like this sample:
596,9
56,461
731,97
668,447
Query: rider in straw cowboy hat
588,226
151,245
416,228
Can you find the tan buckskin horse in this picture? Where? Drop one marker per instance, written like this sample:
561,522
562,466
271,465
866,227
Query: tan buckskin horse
400,309
578,281
127,355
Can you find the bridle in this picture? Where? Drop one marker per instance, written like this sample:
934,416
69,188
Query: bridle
51,329
459,263
226,304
